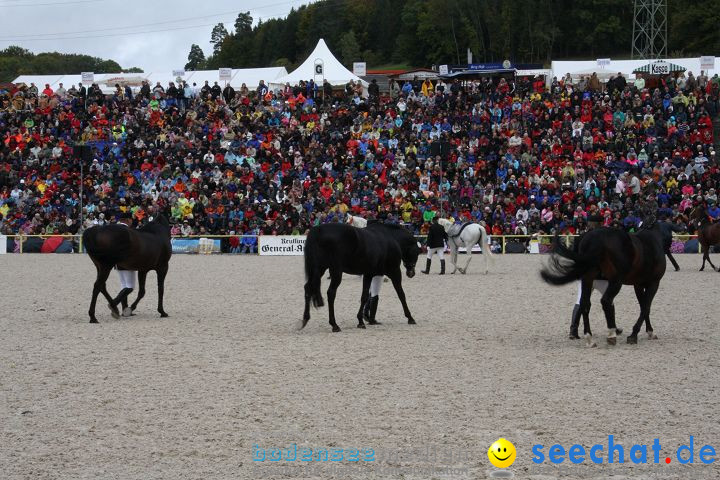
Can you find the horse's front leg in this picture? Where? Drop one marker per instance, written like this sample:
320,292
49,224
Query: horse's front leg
468,252
161,273
367,279
453,257
396,279
142,276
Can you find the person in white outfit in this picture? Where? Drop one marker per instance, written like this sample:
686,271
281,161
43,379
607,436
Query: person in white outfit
127,277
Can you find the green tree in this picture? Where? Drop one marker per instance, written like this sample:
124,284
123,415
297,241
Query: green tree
217,36
349,49
196,58
133,70
243,24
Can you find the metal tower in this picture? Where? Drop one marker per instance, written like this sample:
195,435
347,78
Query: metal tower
649,39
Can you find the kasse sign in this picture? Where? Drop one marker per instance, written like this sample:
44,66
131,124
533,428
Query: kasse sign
660,68
281,244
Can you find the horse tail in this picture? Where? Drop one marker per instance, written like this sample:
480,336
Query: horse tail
108,253
575,266
312,271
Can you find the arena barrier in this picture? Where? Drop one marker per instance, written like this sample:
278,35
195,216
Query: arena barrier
271,245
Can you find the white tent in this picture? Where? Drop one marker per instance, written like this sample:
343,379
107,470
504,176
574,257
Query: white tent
249,76
626,67
332,70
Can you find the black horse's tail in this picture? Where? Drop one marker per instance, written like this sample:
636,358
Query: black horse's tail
106,250
312,270
567,265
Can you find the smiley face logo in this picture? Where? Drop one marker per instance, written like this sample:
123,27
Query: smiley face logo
502,453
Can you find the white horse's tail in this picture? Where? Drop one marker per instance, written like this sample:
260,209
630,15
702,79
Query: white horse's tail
486,250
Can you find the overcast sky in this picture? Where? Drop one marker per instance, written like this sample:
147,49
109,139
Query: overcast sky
127,31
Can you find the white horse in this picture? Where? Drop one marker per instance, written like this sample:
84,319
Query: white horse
359,222
470,236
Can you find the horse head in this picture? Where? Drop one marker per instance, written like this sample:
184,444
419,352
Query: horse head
410,253
446,224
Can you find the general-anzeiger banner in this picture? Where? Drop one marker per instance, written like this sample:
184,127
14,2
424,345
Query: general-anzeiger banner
281,244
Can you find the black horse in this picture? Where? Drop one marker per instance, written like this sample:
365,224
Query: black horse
621,258
378,249
147,248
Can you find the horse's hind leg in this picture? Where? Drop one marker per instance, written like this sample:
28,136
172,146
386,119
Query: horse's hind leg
98,287
608,306
396,278
335,279
585,308
142,276
672,260
161,273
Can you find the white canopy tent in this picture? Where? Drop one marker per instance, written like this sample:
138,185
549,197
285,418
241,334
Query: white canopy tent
332,70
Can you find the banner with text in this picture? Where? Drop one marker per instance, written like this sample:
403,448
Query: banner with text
281,245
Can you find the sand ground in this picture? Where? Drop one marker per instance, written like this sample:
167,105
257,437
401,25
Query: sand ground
188,397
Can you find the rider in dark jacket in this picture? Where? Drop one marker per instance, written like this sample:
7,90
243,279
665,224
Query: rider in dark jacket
437,236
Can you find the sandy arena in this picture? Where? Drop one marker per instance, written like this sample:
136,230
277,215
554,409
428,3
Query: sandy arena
188,397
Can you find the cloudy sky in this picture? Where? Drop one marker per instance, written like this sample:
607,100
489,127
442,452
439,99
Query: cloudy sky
154,35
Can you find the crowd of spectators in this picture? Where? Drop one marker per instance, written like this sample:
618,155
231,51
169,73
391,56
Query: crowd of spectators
520,155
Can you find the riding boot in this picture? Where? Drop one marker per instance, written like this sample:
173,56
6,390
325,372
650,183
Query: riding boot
575,322
367,308
442,267
373,309
427,267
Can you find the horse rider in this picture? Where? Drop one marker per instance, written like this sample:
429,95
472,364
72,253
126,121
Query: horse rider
437,236
598,284
127,277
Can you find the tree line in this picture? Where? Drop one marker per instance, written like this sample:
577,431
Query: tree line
16,61
424,32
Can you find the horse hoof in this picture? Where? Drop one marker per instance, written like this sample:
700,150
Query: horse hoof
592,345
618,331
361,325
411,322
94,320
336,329
612,340
115,314
652,336
574,336
632,340
373,322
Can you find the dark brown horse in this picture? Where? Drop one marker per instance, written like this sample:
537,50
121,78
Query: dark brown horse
147,248
621,258
708,233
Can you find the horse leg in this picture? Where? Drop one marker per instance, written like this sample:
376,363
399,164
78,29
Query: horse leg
396,279
364,299
645,296
142,276
453,256
672,260
468,252
161,273
335,279
585,308
649,296
608,307
99,285
705,248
